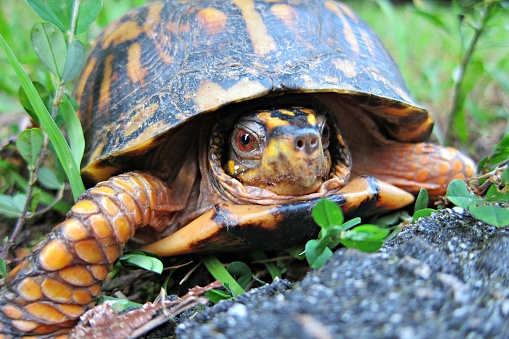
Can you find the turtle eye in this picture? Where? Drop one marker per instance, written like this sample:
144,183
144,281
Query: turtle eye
245,141
325,136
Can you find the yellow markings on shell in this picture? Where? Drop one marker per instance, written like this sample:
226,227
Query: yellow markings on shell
135,70
56,290
46,312
140,115
84,77
77,275
212,20
386,82
262,41
127,31
286,14
211,95
347,28
104,94
346,66
54,256
348,11
154,14
29,289
176,27
366,37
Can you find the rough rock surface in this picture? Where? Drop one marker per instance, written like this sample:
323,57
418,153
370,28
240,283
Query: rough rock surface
446,276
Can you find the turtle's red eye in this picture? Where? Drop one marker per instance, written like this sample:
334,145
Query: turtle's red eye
245,140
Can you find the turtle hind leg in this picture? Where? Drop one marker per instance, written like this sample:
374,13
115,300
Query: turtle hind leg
61,278
415,166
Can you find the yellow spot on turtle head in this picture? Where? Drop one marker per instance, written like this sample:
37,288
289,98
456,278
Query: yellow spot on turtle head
212,20
311,119
287,112
230,167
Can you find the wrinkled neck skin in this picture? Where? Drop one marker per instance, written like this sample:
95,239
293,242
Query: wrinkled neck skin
218,186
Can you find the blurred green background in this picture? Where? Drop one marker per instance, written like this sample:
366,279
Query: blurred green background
428,40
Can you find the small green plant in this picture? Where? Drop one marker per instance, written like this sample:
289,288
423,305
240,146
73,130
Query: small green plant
63,55
334,231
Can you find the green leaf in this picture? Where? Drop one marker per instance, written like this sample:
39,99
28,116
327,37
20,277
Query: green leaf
316,254
50,46
238,268
505,177
88,12
119,305
49,179
56,137
327,213
494,195
3,267
29,144
74,129
216,296
218,271
12,207
47,14
491,213
350,223
74,61
423,213
421,202
459,195
44,94
141,260
36,195
366,238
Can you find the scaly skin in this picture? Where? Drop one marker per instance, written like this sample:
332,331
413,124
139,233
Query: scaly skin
61,278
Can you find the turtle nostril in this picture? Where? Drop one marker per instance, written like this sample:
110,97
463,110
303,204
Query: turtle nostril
314,141
300,143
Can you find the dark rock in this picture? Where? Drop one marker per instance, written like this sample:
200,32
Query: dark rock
445,276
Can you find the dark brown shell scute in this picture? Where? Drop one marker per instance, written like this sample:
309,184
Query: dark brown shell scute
168,62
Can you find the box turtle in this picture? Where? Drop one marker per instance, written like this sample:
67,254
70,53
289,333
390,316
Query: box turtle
220,124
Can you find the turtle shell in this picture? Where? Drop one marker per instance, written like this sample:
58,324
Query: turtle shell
163,64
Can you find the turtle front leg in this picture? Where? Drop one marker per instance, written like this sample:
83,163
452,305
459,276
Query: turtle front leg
61,278
415,166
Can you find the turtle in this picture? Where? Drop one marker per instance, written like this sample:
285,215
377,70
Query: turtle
220,124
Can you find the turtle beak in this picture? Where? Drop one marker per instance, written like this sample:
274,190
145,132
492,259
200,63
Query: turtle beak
292,164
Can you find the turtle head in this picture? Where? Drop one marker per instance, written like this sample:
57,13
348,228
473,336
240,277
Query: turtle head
283,150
